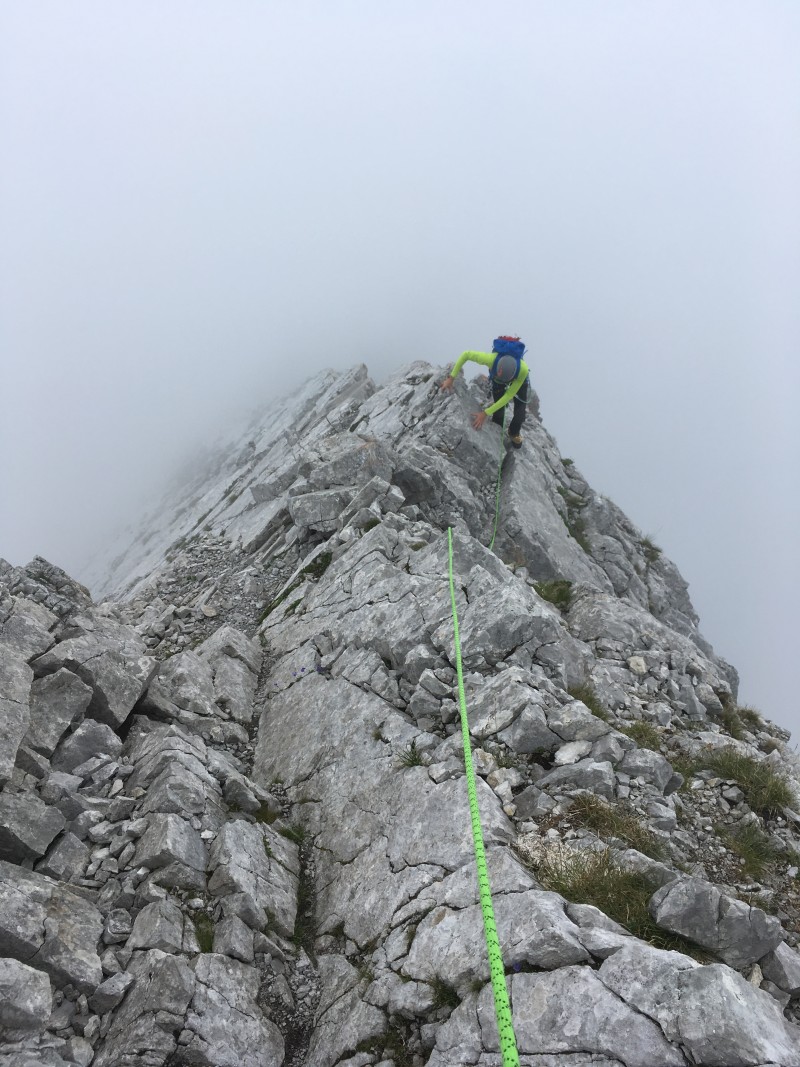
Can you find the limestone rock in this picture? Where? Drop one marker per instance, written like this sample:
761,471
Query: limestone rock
782,966
533,930
182,688
25,628
25,997
714,1013
254,859
641,762
27,826
57,701
158,925
110,658
67,859
350,807
229,643
732,930
89,739
146,1026
15,686
111,992
168,839
343,1020
47,926
560,1014
224,1024
585,774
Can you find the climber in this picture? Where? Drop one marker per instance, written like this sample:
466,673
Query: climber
508,373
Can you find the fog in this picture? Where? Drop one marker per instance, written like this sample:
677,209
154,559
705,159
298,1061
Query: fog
201,205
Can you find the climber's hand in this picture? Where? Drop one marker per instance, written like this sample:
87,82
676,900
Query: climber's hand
447,383
478,419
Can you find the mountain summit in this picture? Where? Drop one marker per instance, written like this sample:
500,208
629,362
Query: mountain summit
234,826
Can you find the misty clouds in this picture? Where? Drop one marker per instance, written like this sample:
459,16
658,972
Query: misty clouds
202,205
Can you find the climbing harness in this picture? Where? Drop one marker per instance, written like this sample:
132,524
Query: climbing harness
497,489
505,1025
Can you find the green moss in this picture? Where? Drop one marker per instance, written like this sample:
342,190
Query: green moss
370,524
574,521
204,931
317,567
558,592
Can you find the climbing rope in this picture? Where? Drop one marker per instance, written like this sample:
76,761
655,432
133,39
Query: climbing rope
497,489
505,1025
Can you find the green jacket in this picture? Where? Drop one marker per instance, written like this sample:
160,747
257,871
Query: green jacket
487,359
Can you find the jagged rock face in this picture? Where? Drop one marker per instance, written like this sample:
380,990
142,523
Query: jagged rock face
233,814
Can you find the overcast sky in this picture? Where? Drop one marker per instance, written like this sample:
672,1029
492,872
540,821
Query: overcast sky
203,203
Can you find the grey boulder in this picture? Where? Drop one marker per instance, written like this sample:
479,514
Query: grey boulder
91,738
27,826
585,774
44,924
713,1012
782,966
15,687
224,1025
25,997
735,932
25,628
57,700
110,658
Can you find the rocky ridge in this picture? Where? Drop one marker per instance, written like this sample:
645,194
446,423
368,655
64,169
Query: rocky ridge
233,821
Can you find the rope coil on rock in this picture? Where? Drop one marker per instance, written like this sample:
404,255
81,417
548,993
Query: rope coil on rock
505,1025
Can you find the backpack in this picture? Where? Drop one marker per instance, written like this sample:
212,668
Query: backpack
507,346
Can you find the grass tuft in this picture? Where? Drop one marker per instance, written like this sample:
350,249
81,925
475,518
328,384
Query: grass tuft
265,814
595,878
444,995
615,821
412,757
765,790
650,549
294,832
753,845
586,694
645,735
685,765
751,718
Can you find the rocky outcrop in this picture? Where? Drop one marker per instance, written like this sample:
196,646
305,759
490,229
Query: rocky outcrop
233,818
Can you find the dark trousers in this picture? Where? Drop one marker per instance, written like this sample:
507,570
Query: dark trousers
520,406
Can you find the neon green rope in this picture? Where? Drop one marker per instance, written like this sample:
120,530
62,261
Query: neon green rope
505,1025
497,490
